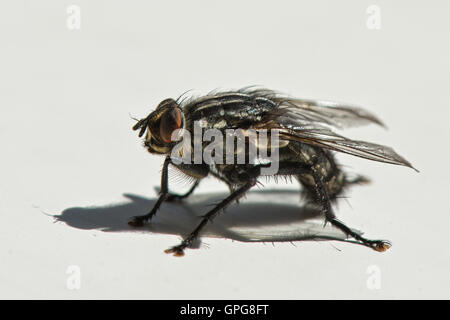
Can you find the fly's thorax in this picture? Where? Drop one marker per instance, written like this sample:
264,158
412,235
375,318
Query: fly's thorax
220,117
229,110
231,145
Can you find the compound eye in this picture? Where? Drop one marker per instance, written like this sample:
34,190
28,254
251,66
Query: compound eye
170,121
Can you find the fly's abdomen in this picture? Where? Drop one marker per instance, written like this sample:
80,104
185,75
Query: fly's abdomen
322,162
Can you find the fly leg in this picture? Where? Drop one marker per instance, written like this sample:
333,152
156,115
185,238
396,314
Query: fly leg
229,184
179,249
378,245
196,171
295,168
179,197
139,221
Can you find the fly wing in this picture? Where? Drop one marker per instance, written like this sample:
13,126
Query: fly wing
311,122
331,113
328,139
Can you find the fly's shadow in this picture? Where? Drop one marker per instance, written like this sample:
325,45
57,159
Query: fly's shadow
270,215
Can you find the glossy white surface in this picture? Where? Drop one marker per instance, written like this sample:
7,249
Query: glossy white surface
66,142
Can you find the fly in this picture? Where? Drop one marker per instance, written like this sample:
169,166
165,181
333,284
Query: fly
304,147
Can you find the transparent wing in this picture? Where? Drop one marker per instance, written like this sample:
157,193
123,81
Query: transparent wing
312,122
325,138
331,113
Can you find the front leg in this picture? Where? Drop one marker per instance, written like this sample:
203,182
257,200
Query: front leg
139,221
196,171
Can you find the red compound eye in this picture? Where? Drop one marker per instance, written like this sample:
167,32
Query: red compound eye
170,121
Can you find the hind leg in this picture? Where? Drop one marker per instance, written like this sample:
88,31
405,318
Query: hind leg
324,199
326,190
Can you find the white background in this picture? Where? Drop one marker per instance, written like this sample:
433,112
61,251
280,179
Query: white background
66,97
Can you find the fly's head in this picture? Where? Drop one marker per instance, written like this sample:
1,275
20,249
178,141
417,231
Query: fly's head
160,126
